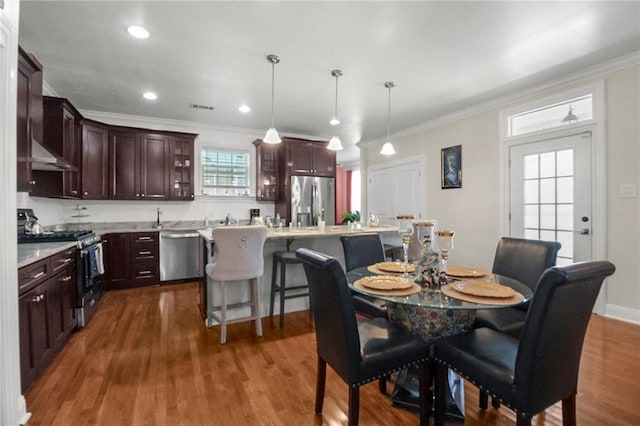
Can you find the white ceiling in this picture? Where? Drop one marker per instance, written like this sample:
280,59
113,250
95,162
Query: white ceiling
443,56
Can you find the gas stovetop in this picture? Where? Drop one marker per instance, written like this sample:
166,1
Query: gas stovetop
56,236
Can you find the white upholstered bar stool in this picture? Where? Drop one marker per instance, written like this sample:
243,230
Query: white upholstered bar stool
238,256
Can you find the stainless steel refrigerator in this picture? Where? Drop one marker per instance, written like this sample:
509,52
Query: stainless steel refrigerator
313,197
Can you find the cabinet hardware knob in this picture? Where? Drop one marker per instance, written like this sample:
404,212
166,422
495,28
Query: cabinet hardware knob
32,182
86,193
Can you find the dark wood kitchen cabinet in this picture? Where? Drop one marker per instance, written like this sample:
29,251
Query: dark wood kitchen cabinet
182,168
47,315
94,178
132,259
267,171
29,116
62,135
139,167
310,158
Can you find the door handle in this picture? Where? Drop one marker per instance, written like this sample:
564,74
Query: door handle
584,231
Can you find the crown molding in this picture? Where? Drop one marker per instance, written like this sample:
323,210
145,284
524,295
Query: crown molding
595,71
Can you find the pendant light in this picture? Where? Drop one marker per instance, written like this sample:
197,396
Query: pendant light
387,148
335,144
272,136
570,117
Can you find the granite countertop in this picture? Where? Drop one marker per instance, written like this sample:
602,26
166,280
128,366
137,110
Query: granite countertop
32,252
310,232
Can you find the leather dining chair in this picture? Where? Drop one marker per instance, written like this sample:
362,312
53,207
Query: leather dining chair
360,352
523,260
364,250
238,254
541,368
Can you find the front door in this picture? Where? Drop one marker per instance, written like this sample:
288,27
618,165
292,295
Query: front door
550,194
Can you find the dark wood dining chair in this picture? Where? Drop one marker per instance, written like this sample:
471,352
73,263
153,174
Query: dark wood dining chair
364,250
360,352
541,368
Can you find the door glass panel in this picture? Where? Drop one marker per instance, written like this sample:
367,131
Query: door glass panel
565,217
547,235
531,191
565,190
531,169
531,217
548,164
548,216
547,191
566,239
565,162
532,234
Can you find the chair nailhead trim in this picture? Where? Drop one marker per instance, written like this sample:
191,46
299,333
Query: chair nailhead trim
385,374
491,394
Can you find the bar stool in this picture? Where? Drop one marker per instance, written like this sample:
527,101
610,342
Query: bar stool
238,257
284,258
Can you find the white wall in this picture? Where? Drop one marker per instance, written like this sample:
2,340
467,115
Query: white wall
474,210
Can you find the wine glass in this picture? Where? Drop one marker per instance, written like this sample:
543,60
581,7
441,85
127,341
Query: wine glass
405,228
445,243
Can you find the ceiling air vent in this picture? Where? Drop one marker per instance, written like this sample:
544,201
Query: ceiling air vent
200,106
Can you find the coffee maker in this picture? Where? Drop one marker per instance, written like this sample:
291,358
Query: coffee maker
253,214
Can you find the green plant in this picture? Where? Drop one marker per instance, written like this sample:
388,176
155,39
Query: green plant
351,216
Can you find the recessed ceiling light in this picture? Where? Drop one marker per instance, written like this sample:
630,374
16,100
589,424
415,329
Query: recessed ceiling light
138,31
150,96
244,108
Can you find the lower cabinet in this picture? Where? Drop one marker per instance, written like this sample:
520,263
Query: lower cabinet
132,259
47,312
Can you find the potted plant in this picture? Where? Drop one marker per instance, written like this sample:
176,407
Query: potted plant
353,217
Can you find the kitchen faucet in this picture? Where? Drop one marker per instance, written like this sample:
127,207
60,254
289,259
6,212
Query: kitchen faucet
158,213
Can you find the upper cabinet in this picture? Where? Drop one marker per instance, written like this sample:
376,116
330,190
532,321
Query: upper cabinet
94,174
145,165
182,185
311,158
29,116
62,134
267,171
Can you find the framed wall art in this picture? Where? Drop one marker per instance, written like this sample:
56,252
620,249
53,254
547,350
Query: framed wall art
451,159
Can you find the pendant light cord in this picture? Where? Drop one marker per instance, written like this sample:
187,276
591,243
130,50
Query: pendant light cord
336,110
389,115
273,84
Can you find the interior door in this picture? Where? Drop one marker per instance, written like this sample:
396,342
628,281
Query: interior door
550,194
395,190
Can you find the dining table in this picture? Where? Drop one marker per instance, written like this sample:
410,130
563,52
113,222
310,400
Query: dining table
433,313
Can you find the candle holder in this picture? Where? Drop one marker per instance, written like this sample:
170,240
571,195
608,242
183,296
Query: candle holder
405,228
445,244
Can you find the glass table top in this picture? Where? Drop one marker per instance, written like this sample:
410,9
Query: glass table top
436,299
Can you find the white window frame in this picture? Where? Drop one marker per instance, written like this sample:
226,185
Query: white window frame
250,160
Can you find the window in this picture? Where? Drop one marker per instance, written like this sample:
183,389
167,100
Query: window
224,173
563,113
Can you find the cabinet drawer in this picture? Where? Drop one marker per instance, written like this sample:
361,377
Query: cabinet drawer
144,238
32,275
62,260
144,252
144,274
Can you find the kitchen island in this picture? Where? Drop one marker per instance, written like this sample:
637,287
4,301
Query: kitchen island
326,241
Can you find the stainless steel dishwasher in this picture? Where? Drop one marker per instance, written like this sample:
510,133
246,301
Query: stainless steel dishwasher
179,255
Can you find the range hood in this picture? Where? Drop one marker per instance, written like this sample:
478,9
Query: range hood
43,159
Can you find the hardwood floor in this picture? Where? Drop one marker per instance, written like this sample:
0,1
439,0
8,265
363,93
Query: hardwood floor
146,358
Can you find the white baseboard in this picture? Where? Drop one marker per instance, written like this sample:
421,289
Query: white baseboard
622,313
